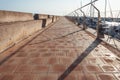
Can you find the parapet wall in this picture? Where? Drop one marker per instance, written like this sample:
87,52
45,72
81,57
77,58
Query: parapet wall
16,26
10,16
48,21
13,33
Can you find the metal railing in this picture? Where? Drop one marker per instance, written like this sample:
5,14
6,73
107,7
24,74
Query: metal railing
99,26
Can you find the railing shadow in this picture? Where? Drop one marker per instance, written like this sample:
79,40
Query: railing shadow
57,37
80,58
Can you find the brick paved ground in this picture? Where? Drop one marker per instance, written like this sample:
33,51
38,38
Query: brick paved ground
63,52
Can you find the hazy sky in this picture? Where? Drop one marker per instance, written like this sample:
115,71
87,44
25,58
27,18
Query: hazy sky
59,7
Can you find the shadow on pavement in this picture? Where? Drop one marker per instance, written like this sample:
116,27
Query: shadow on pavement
57,37
79,59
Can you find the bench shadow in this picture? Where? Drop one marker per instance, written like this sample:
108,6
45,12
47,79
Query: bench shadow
84,54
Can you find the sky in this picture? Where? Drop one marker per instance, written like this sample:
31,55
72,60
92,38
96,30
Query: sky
54,7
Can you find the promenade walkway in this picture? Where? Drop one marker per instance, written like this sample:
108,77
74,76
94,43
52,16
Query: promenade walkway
63,52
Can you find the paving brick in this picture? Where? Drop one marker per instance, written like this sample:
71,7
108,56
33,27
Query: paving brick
40,68
53,60
61,46
0,76
108,54
50,76
109,68
42,76
72,54
95,60
90,76
7,77
29,77
92,68
21,54
46,54
51,46
7,68
58,68
108,60
41,46
106,76
81,76
24,68
60,53
10,77
16,61
43,50
37,61
71,77
32,55
54,50
66,60
97,54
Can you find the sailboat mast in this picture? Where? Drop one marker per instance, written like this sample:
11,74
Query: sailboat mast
91,10
105,10
81,6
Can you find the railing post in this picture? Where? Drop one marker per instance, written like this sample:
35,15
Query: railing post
74,17
77,17
84,19
100,33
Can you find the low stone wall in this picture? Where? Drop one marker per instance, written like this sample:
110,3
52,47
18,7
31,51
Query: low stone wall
54,19
10,16
15,32
48,21
16,26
